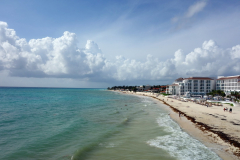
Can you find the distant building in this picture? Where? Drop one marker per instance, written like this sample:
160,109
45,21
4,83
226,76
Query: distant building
228,84
163,88
192,86
143,88
173,89
157,89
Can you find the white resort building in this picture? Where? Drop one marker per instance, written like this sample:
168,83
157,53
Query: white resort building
228,84
192,86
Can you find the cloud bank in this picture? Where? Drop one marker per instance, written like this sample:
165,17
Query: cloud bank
61,58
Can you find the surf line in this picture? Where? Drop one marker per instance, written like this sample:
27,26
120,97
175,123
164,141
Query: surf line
204,127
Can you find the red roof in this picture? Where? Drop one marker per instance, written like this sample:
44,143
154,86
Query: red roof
173,85
232,77
199,78
179,79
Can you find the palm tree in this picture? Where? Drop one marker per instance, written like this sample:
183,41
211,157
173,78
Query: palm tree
217,93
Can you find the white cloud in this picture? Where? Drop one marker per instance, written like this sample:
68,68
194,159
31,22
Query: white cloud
184,21
61,58
48,57
235,53
194,9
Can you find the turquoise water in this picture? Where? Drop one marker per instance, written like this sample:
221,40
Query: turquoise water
54,123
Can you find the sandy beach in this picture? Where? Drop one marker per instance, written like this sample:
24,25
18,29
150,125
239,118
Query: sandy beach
214,127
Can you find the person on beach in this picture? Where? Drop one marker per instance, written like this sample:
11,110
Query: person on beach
179,114
230,110
224,109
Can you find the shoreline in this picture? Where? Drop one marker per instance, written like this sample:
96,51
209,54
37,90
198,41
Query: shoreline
207,124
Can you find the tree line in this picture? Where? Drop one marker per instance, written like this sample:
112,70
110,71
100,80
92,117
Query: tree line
221,93
133,88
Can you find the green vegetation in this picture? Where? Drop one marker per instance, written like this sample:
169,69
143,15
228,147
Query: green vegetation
217,93
130,88
235,94
157,86
165,94
230,104
134,88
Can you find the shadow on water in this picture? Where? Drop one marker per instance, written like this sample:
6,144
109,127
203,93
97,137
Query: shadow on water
84,152
117,112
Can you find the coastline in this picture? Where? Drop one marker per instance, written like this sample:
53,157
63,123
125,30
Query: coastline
215,128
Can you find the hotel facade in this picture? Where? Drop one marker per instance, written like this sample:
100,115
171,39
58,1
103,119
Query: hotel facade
202,85
228,84
191,86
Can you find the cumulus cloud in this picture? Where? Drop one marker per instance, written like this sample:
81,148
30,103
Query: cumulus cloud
48,57
61,58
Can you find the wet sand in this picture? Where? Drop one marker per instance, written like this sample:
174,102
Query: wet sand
215,128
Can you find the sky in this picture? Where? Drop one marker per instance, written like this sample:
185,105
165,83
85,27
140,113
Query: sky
99,44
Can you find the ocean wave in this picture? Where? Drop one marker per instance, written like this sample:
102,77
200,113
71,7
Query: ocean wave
179,144
83,152
108,145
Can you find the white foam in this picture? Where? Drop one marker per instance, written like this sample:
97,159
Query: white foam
110,145
179,144
107,145
169,125
146,100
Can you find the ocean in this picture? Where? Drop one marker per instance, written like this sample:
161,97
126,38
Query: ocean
91,124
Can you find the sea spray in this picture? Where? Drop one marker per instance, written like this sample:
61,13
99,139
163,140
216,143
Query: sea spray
178,143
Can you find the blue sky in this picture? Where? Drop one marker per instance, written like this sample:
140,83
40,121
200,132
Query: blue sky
128,33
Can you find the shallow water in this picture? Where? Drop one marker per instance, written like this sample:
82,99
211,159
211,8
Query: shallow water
50,123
